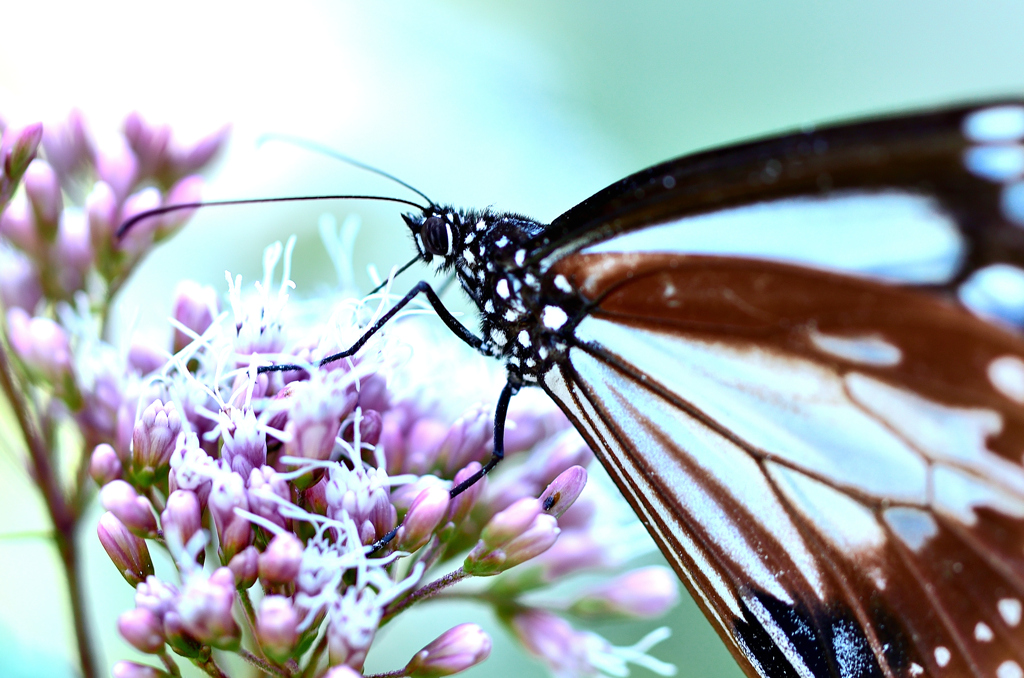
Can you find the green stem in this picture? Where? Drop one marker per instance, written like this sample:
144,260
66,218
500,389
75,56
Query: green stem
64,518
314,659
170,665
264,666
428,591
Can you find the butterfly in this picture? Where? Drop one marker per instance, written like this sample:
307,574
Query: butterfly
797,360
770,349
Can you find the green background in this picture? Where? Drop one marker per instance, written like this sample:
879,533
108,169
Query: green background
529,106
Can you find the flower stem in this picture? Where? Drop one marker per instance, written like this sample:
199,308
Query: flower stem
264,666
65,520
314,659
170,665
423,593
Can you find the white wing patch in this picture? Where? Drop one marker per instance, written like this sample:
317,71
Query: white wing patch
838,232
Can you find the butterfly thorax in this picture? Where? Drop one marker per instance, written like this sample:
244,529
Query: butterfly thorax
489,254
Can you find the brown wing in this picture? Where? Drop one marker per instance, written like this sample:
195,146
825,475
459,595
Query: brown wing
831,464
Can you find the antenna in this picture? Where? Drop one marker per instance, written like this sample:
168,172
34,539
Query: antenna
315,147
166,209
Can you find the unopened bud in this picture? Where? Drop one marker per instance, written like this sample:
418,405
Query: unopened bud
135,511
136,670
128,552
195,307
104,465
277,627
153,442
454,651
279,563
205,608
187,190
643,593
43,190
424,516
182,517
41,343
513,536
142,629
245,567
234,531
564,490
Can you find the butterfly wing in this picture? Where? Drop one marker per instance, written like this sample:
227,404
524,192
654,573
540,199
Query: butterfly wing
827,453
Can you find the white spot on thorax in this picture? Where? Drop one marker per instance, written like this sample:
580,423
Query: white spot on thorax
520,257
995,124
524,339
562,284
1009,610
866,350
942,656
916,669
498,337
481,225
1009,669
982,633
502,288
488,306
470,237
469,257
501,242
553,317
1007,376
995,163
510,315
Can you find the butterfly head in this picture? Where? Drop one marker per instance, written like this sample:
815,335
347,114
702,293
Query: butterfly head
438,233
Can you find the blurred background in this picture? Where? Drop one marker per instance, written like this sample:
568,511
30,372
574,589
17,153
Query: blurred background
528,106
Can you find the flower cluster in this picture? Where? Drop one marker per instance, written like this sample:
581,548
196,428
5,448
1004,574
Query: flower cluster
62,195
306,508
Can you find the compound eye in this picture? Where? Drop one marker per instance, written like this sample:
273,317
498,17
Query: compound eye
436,234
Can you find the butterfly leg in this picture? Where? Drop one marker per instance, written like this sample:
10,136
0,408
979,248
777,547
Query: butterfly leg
460,330
500,415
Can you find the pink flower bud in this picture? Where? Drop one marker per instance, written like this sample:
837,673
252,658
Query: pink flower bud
553,640
43,190
68,145
141,235
245,444
422,445
104,465
18,225
117,167
575,551
178,637
146,357
318,407
148,142
370,424
279,563
101,213
245,567
19,280
142,629
136,670
460,507
135,511
41,343
454,651
192,159
234,531
157,596
564,490
128,552
469,439
17,150
424,516
267,489
187,190
517,534
277,627
195,307
182,517
72,252
205,608
153,442
342,671
643,593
